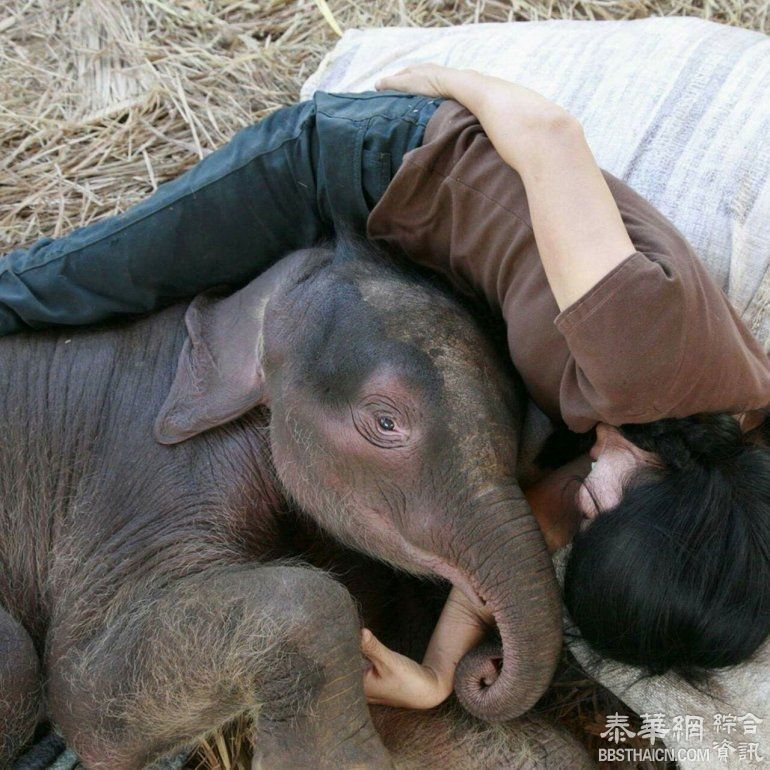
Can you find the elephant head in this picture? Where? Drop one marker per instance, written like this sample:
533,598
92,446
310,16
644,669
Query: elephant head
393,422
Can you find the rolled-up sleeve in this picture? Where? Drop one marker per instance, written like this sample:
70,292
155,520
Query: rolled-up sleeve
657,338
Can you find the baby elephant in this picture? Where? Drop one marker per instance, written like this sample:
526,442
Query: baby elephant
148,593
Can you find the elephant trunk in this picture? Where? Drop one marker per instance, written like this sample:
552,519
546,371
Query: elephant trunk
511,570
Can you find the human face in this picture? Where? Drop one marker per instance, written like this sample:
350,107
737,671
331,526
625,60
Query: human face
615,461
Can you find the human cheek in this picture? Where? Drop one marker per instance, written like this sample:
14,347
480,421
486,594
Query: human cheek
601,490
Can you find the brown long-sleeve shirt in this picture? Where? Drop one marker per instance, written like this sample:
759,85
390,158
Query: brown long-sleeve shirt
654,338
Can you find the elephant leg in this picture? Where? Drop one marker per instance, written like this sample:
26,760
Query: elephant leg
448,738
19,688
277,643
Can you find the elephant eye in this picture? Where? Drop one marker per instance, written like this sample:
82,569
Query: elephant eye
382,422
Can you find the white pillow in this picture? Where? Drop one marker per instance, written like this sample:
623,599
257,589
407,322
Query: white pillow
679,108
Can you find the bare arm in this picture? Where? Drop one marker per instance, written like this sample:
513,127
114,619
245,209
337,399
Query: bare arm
460,628
579,231
395,680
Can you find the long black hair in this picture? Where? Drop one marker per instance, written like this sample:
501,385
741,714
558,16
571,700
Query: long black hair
677,575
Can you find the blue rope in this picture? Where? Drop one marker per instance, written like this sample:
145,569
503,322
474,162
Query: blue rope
41,755
66,761
51,753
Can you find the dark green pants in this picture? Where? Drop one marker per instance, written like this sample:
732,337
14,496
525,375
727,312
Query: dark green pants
298,176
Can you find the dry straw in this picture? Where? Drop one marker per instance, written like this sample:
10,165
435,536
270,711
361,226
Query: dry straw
102,100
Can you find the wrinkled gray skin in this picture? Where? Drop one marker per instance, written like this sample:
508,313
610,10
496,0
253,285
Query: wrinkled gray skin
145,580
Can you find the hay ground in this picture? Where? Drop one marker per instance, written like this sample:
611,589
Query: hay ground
101,101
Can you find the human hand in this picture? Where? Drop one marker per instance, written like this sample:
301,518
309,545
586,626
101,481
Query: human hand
520,123
427,79
395,680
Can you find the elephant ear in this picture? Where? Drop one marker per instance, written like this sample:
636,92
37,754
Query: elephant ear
219,374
